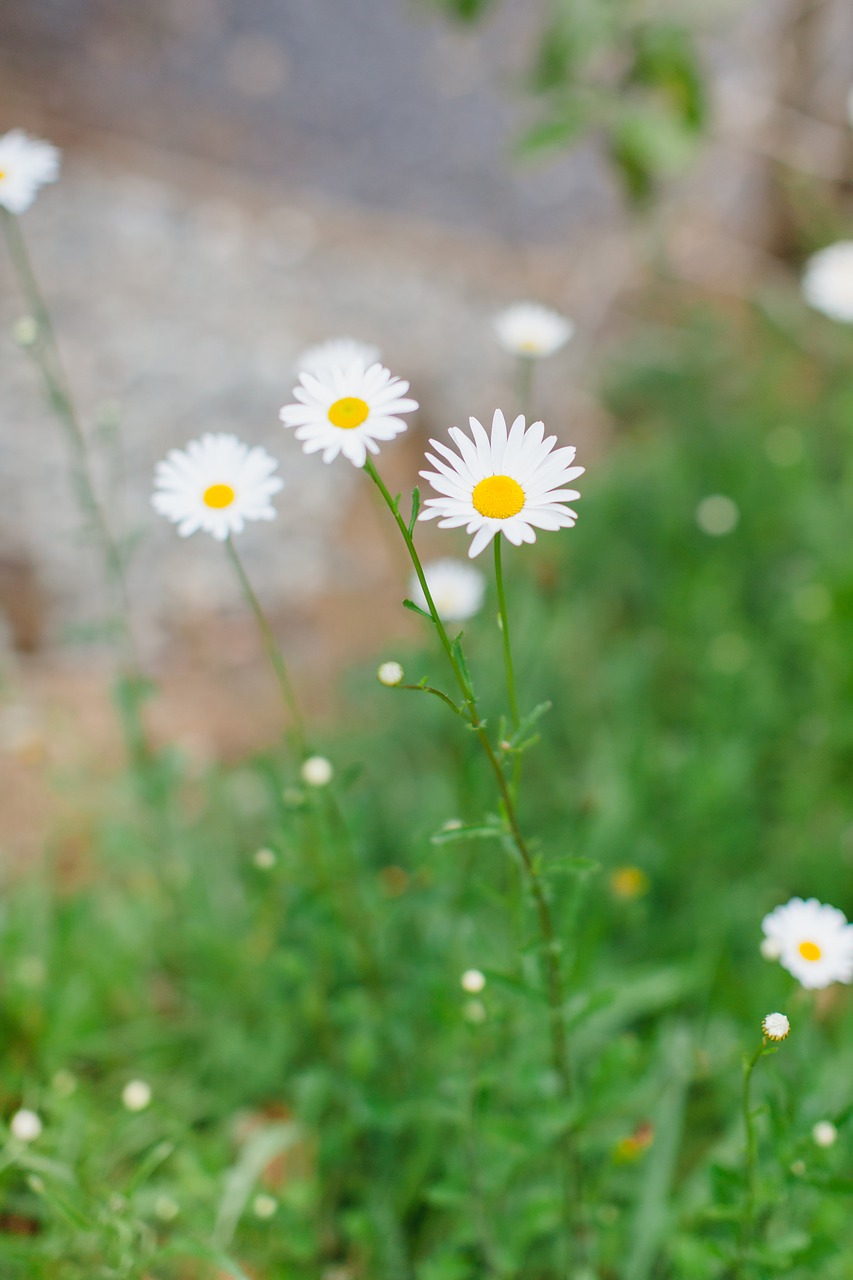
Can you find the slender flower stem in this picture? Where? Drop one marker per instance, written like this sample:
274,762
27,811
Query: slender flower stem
504,617
274,653
550,945
748,1221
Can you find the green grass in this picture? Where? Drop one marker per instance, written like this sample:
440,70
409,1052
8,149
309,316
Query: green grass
311,1015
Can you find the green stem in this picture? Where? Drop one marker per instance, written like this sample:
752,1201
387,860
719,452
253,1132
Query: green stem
504,617
550,946
274,653
748,1221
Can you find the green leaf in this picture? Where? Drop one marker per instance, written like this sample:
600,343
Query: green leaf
416,504
416,608
241,1179
482,831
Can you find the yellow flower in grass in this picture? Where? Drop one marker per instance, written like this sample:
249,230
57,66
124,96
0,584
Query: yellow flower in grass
509,482
814,941
26,164
216,484
347,410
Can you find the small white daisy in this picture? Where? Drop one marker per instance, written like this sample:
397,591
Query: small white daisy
348,410
390,674
216,484
337,353
815,941
529,329
473,981
828,281
26,164
317,771
506,484
457,589
25,1125
825,1133
776,1026
136,1095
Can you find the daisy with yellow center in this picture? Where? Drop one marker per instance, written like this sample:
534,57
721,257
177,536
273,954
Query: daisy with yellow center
813,941
347,409
216,484
26,164
509,482
530,330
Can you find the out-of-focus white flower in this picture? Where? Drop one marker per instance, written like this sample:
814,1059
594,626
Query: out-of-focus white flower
473,981
776,1026
348,410
529,329
25,1125
457,589
508,483
337,353
828,281
264,1206
389,674
264,859
316,771
717,515
216,484
26,164
136,1095
815,940
825,1133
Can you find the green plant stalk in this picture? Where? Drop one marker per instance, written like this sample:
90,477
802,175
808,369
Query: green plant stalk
748,1221
276,658
504,619
550,945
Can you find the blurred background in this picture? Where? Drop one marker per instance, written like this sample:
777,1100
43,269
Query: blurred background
241,180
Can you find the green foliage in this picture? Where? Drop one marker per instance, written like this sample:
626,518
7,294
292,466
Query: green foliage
303,1026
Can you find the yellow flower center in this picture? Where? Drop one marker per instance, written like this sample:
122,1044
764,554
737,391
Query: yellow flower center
498,497
2,173
810,951
349,412
219,495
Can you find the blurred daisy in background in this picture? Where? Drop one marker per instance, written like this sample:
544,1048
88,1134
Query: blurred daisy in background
508,483
828,281
26,164
347,410
216,484
457,589
814,941
337,353
528,329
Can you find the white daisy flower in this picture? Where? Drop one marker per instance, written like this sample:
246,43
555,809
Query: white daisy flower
506,484
457,589
136,1095
26,164
216,484
815,940
25,1125
529,329
473,981
828,281
347,410
390,674
776,1026
317,771
337,353
825,1133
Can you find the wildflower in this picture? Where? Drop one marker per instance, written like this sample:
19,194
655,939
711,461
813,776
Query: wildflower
629,882
776,1026
825,1133
264,1206
25,1125
316,771
828,281
26,164
529,329
473,981
717,515
347,410
136,1095
506,484
815,941
457,589
634,1144
216,484
389,674
337,353
264,859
